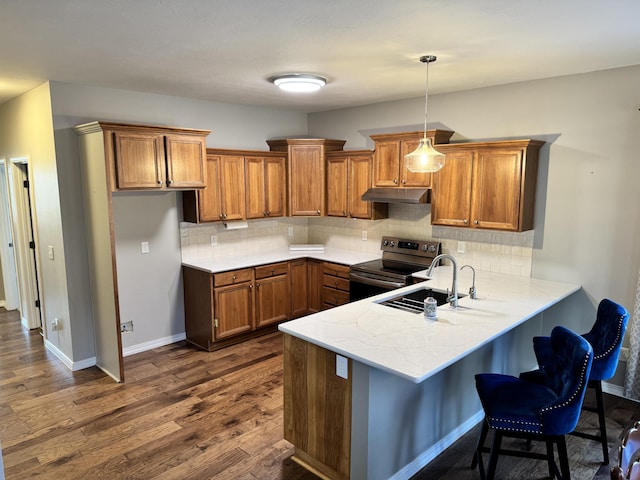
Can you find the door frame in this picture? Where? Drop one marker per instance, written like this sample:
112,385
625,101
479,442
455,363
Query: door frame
24,231
7,251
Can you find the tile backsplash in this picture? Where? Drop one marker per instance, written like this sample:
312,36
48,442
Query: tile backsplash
504,252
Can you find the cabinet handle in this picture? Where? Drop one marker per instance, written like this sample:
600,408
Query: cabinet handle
395,180
268,213
159,182
168,182
318,212
404,181
465,221
251,285
475,222
221,217
234,278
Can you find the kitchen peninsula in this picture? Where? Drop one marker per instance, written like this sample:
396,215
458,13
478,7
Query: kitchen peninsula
373,392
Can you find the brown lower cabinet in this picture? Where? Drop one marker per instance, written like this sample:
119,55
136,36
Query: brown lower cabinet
317,409
228,307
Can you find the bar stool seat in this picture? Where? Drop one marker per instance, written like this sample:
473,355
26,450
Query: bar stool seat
605,338
545,409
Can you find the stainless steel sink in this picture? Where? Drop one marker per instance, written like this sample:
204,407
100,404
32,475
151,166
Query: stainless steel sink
414,301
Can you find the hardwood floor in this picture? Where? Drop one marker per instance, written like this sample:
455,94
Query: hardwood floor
187,414
182,414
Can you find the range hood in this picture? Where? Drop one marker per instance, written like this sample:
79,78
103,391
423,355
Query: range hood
398,195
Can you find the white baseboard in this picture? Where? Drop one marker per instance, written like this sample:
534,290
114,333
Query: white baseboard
70,364
160,342
427,456
616,390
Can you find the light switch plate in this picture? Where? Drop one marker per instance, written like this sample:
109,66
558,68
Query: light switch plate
144,247
342,366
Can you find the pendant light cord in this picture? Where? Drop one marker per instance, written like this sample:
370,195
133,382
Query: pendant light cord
426,99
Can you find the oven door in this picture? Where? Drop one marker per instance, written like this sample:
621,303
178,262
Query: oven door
363,285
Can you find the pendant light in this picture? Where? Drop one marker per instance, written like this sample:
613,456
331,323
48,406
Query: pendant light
425,158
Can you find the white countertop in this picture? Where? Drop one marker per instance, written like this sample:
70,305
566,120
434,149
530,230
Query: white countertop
407,345
345,257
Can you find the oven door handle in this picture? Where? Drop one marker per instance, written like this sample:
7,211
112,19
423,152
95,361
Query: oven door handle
387,284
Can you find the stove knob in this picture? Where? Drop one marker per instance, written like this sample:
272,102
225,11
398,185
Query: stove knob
425,248
393,244
432,248
385,243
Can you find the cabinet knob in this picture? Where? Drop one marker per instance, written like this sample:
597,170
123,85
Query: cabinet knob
395,180
234,278
251,285
318,212
159,182
475,222
264,214
404,181
465,221
168,182
268,213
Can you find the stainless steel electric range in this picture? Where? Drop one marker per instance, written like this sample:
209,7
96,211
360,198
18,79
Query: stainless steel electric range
400,259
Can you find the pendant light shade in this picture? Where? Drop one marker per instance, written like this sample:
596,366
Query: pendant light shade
425,158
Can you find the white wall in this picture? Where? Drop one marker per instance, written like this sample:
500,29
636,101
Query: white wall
587,217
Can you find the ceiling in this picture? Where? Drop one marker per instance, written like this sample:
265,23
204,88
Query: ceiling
368,49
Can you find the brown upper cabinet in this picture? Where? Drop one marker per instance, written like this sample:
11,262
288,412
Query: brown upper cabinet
223,199
487,185
348,178
306,172
142,157
265,186
389,169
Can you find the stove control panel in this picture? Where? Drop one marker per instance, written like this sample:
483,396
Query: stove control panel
423,248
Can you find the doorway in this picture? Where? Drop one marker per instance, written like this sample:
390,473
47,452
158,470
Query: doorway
7,254
25,244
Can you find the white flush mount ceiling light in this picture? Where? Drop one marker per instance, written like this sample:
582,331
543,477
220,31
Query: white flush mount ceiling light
425,158
298,82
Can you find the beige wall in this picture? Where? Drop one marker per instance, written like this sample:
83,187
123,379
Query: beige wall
26,129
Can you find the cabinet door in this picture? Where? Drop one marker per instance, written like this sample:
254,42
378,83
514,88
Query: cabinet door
337,172
233,309
272,300
275,171
139,160
306,180
255,187
497,182
232,187
299,281
386,164
315,274
209,199
185,161
451,203
408,178
359,181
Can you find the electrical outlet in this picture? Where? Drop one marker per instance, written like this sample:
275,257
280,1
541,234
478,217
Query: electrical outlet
291,231
144,247
342,366
461,246
214,240
126,327
50,250
55,324
364,235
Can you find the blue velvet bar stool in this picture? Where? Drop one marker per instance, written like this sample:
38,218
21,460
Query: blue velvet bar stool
544,408
606,339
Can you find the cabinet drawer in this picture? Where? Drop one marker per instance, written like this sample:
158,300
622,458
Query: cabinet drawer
235,276
272,270
332,297
336,282
336,270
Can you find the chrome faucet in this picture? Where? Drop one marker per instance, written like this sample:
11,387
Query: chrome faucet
453,298
472,291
